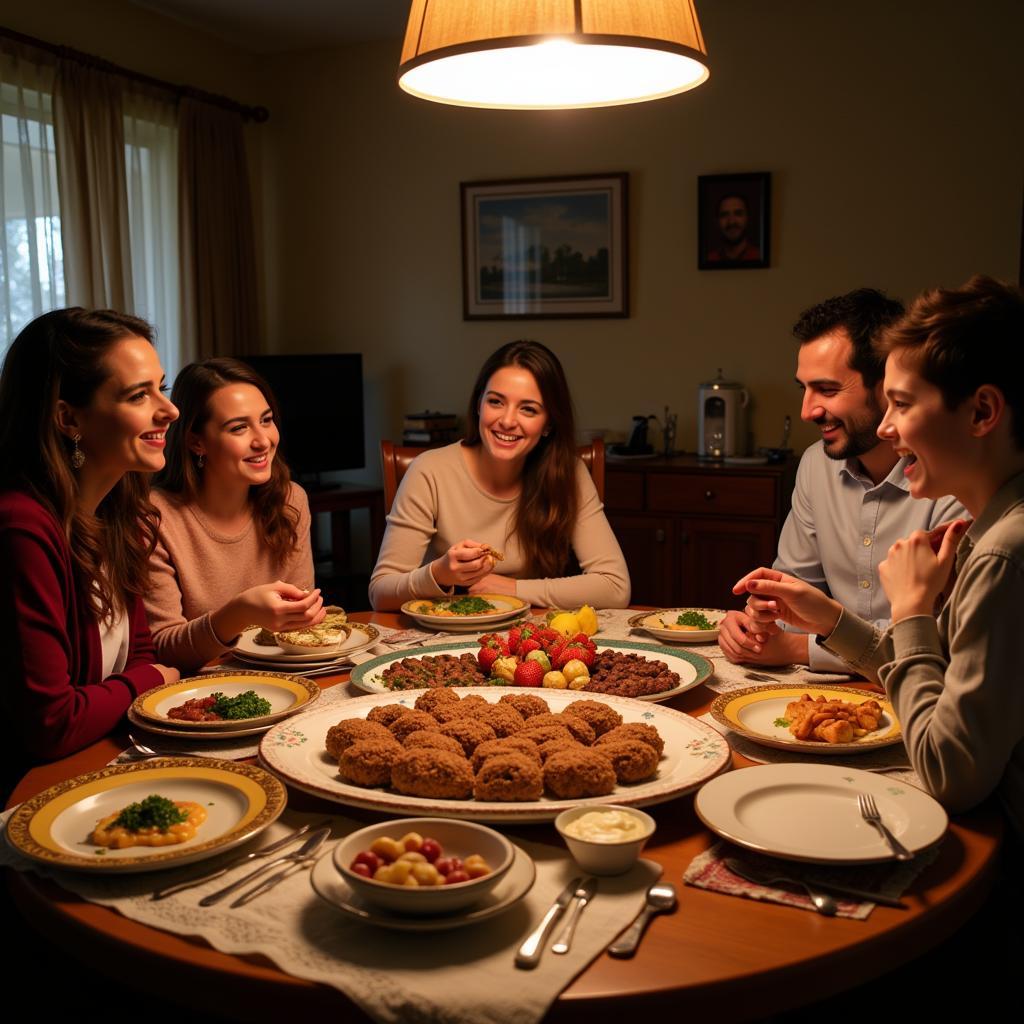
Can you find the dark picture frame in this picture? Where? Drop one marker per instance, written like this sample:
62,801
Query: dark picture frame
545,248
733,221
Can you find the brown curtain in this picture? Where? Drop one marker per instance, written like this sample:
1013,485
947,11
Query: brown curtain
218,267
89,142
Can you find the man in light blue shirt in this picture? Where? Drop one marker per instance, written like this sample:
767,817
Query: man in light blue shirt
851,501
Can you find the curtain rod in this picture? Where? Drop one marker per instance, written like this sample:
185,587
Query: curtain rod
257,114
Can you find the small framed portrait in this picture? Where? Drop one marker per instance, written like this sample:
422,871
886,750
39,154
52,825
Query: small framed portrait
733,219
545,248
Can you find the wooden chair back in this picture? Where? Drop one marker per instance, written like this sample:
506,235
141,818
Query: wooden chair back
396,459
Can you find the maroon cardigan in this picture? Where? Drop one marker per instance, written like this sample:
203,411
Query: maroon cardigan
53,696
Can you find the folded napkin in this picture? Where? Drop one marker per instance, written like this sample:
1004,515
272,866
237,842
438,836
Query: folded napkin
463,976
708,871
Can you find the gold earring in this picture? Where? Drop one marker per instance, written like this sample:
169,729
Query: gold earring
77,455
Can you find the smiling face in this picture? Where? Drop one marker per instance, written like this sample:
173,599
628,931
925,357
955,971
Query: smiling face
239,439
918,425
123,427
512,415
835,398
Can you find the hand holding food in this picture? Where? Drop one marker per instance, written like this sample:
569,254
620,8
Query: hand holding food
913,574
277,606
463,564
792,600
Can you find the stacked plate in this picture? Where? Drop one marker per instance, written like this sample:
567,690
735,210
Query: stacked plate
250,652
433,614
286,695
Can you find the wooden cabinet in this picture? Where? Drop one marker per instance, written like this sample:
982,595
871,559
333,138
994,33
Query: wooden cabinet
690,529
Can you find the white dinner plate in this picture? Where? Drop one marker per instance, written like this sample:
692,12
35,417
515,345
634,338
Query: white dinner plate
691,668
241,800
286,694
363,635
809,812
654,623
506,606
759,714
295,751
331,887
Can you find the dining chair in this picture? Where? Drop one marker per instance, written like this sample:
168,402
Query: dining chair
396,459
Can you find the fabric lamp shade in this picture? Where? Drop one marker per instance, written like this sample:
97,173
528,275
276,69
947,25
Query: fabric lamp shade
551,54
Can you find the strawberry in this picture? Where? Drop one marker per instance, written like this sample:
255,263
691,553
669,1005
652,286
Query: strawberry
580,638
548,636
528,673
514,636
527,645
487,657
555,650
490,639
575,652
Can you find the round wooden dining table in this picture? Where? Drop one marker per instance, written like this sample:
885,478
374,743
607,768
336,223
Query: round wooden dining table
736,958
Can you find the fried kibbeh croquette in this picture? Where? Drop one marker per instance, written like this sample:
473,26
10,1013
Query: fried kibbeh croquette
509,777
435,774
598,716
411,721
505,721
634,731
543,733
575,773
351,729
430,700
553,746
832,721
527,704
508,745
368,762
387,713
434,739
632,760
469,732
578,729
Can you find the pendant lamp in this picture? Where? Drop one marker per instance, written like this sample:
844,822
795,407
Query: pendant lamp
551,54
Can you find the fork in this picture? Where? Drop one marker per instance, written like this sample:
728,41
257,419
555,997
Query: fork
869,812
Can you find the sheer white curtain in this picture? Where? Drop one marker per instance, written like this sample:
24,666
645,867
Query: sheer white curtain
31,255
151,163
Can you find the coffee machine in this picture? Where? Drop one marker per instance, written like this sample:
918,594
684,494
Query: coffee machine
722,418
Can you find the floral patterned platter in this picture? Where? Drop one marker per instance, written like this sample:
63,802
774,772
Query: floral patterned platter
295,751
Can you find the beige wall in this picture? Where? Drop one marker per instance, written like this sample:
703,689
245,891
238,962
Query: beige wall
892,131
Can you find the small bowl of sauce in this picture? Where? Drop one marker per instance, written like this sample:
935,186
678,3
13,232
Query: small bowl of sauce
605,839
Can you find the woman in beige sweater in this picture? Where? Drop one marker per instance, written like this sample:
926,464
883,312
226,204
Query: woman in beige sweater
516,486
233,547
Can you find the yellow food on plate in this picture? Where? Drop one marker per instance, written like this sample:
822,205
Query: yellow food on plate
832,721
155,821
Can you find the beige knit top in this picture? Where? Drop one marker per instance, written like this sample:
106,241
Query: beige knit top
439,504
195,570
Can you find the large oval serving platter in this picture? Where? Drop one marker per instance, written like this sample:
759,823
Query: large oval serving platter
295,751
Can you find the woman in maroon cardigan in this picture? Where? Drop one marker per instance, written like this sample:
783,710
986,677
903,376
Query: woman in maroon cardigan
82,417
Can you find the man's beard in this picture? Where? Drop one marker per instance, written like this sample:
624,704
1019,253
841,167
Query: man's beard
861,434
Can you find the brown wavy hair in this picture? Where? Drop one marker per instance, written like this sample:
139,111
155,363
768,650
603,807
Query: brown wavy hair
60,356
275,520
545,515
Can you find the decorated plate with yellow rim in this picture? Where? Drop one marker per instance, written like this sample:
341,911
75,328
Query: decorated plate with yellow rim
467,609
759,713
664,625
285,694
55,827
251,648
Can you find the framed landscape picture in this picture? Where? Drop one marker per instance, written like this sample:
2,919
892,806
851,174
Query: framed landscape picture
733,221
543,248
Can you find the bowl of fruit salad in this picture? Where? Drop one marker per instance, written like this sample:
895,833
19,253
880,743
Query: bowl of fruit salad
423,865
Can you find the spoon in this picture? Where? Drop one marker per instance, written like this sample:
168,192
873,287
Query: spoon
661,898
823,903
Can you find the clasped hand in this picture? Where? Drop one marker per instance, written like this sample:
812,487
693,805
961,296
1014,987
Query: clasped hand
917,569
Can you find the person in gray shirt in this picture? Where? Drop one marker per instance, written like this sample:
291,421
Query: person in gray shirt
852,500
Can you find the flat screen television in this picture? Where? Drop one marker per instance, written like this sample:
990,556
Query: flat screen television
321,400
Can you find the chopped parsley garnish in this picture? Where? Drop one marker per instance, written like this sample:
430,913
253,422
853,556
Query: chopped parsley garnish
781,723
153,812
245,705
469,606
695,619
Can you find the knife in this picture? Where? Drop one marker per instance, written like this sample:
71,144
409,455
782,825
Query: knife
307,849
583,895
170,890
529,952
738,867
275,879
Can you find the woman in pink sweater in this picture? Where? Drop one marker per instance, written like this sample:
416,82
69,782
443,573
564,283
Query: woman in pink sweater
82,420
233,548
